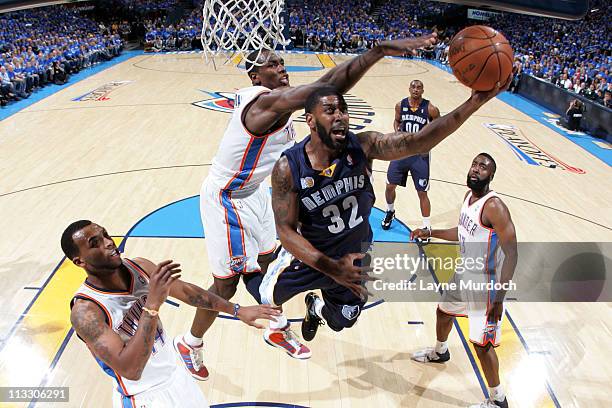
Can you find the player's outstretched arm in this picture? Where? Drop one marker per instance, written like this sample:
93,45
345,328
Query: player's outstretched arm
397,145
285,208
129,358
195,296
497,215
268,109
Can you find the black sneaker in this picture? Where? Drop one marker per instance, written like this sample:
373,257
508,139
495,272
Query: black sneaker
386,223
311,321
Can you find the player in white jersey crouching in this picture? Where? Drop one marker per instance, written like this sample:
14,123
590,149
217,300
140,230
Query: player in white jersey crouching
116,313
488,250
235,203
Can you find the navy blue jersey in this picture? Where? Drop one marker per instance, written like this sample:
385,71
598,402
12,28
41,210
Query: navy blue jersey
413,120
334,204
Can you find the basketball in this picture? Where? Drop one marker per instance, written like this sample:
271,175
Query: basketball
480,57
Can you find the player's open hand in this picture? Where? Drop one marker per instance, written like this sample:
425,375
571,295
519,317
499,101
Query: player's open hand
407,45
249,314
349,275
160,281
483,96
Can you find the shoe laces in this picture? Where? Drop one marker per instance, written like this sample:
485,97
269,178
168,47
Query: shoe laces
197,358
292,339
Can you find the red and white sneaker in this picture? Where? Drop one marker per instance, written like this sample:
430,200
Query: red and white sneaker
286,340
192,358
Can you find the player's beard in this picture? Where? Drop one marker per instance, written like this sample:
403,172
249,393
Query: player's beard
479,185
327,140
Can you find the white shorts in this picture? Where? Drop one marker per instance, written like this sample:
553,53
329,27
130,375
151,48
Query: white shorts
464,304
181,390
237,230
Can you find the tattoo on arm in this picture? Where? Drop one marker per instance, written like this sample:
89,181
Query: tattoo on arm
200,301
282,185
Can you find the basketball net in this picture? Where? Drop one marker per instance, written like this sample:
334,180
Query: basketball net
232,28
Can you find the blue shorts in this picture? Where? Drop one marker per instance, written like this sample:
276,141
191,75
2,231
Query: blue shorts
417,166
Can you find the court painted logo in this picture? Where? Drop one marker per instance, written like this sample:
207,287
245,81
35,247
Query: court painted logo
360,111
219,101
527,151
101,93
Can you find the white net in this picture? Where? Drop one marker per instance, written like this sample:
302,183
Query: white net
232,28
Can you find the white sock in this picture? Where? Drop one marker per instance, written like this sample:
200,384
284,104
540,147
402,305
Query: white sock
192,340
426,222
497,393
441,347
280,323
318,306
391,207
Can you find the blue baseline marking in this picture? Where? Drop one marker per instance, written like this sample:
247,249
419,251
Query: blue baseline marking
32,288
257,404
415,322
15,107
469,353
522,339
168,301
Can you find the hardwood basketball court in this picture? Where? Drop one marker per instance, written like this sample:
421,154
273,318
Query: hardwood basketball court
140,142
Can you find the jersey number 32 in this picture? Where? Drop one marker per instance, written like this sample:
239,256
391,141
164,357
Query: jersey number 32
338,224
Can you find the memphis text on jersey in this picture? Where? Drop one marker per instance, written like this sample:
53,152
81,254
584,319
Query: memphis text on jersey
328,193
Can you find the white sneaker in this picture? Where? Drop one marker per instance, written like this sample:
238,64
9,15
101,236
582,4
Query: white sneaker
429,355
491,404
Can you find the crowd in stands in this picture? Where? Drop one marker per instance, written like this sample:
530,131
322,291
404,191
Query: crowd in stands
574,55
46,45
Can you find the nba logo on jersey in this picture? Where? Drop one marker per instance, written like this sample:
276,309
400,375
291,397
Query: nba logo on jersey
350,312
349,159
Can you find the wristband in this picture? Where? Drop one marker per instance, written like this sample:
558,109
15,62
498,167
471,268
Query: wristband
236,308
152,312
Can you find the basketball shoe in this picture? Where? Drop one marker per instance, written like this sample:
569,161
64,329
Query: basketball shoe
192,358
491,404
430,355
389,217
286,340
312,321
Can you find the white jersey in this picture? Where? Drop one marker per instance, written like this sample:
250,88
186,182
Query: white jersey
479,246
123,310
244,160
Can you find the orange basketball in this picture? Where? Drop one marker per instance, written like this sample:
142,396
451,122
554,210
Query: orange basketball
480,57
